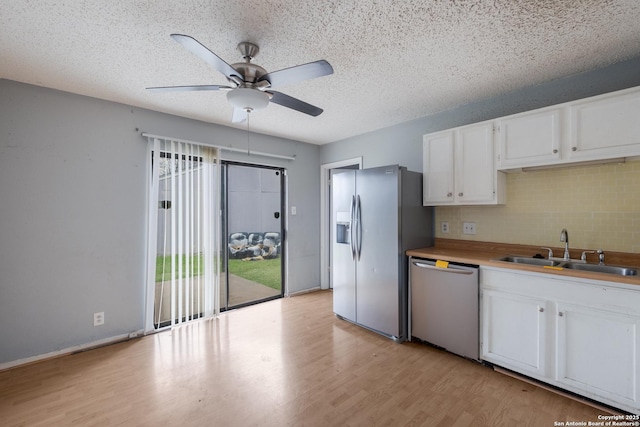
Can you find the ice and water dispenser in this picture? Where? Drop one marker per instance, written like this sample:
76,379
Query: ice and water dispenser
343,228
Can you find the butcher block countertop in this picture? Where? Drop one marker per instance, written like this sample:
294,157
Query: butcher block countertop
484,253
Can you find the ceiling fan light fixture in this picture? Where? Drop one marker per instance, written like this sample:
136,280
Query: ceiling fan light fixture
248,99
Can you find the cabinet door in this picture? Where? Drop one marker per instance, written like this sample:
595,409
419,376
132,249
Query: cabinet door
597,353
437,151
514,331
475,172
529,139
606,127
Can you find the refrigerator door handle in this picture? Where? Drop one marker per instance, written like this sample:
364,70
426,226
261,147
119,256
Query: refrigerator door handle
359,226
443,270
352,217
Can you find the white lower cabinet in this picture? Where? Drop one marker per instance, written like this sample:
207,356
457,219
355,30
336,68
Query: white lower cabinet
581,335
597,352
519,342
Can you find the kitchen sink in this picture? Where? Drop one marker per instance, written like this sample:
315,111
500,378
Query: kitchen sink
597,268
570,265
517,259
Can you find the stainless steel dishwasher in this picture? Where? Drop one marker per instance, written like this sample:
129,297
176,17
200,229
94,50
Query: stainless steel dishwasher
444,305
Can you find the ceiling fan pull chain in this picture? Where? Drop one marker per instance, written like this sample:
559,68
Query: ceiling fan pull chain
248,133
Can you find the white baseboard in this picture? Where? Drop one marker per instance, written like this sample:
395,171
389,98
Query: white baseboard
305,291
71,350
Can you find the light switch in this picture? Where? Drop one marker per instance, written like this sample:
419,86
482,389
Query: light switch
293,210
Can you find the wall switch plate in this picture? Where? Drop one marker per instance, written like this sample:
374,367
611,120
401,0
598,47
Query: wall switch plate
98,318
469,228
444,227
294,210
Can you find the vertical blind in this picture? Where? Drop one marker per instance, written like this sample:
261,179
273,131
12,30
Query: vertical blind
183,236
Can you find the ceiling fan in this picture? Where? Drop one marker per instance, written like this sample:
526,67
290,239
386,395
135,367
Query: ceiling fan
250,86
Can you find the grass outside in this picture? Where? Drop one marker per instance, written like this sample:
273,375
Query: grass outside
163,267
265,272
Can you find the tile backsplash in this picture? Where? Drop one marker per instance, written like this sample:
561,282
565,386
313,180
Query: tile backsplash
598,205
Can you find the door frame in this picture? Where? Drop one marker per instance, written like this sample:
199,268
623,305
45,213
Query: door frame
284,226
325,216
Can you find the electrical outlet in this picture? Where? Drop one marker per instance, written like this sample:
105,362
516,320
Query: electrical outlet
98,318
469,228
444,226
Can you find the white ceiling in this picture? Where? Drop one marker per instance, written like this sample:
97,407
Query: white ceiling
394,61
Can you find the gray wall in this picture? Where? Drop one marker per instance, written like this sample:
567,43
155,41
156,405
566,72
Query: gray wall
73,213
402,144
73,198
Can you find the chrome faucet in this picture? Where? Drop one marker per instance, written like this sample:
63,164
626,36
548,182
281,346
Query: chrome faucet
583,257
564,237
600,253
550,251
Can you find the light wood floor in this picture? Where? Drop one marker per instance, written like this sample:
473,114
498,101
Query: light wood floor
288,362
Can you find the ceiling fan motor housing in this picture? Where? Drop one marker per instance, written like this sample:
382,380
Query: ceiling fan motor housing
250,72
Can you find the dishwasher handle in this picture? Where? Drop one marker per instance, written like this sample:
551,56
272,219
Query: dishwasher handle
444,270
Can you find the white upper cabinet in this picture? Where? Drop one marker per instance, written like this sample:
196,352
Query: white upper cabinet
475,170
597,128
606,126
438,151
459,167
527,139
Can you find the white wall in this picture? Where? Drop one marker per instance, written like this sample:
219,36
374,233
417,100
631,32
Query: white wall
73,214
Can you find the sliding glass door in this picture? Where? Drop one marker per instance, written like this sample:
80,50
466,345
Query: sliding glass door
215,239
253,226
183,255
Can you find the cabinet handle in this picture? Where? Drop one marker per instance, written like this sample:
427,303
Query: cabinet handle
449,194
541,310
574,148
459,194
555,151
560,314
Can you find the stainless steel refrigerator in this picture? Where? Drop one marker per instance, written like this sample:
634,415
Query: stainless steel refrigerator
377,215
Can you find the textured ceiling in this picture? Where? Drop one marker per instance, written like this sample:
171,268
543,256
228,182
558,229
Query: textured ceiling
394,61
